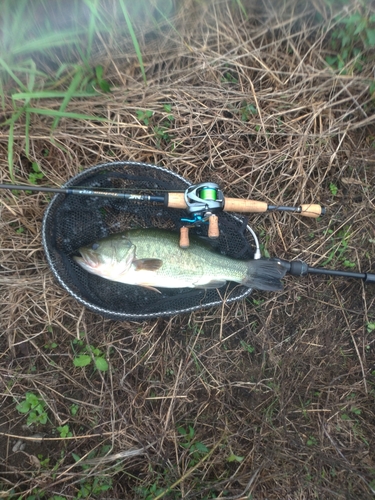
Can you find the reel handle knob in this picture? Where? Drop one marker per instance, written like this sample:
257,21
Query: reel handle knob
213,226
184,237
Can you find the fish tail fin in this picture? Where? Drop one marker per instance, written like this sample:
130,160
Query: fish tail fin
264,275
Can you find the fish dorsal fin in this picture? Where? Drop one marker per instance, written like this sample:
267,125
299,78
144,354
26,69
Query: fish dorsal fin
147,264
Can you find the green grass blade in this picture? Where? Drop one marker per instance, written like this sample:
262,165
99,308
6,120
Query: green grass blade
32,75
27,71
10,151
162,14
2,95
49,41
93,6
5,66
27,134
69,94
134,39
48,94
14,19
56,113
13,118
242,9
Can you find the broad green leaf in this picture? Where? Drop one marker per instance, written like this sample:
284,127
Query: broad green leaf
43,418
234,458
201,448
99,72
370,37
23,407
82,360
76,457
101,364
32,399
105,86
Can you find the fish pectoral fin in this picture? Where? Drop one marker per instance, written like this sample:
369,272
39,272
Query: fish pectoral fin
147,264
211,284
150,288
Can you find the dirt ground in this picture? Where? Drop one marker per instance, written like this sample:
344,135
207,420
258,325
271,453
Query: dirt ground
270,397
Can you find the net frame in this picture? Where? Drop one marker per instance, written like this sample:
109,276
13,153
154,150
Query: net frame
71,221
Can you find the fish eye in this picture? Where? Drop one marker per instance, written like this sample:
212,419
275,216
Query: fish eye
95,246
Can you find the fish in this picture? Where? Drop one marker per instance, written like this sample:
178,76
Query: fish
152,258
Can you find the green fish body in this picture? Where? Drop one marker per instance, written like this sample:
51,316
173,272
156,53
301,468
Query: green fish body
153,258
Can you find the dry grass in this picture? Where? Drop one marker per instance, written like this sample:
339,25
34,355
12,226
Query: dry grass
299,408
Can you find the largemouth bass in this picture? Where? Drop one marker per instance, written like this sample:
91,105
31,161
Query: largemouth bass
152,258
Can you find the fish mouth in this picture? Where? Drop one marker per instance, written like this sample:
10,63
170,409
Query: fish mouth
86,259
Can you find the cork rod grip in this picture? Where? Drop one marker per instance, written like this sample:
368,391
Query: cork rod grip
235,205
176,200
313,211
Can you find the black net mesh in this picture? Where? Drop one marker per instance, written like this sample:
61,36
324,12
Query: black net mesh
72,221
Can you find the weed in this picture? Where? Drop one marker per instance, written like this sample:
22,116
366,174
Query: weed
247,111
339,247
247,347
51,345
74,410
197,450
370,327
103,84
161,134
86,354
144,116
168,109
36,174
161,130
311,441
234,458
150,492
352,37
95,486
64,431
333,188
34,406
229,77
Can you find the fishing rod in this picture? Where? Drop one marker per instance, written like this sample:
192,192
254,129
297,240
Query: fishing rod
199,199
203,202
204,196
